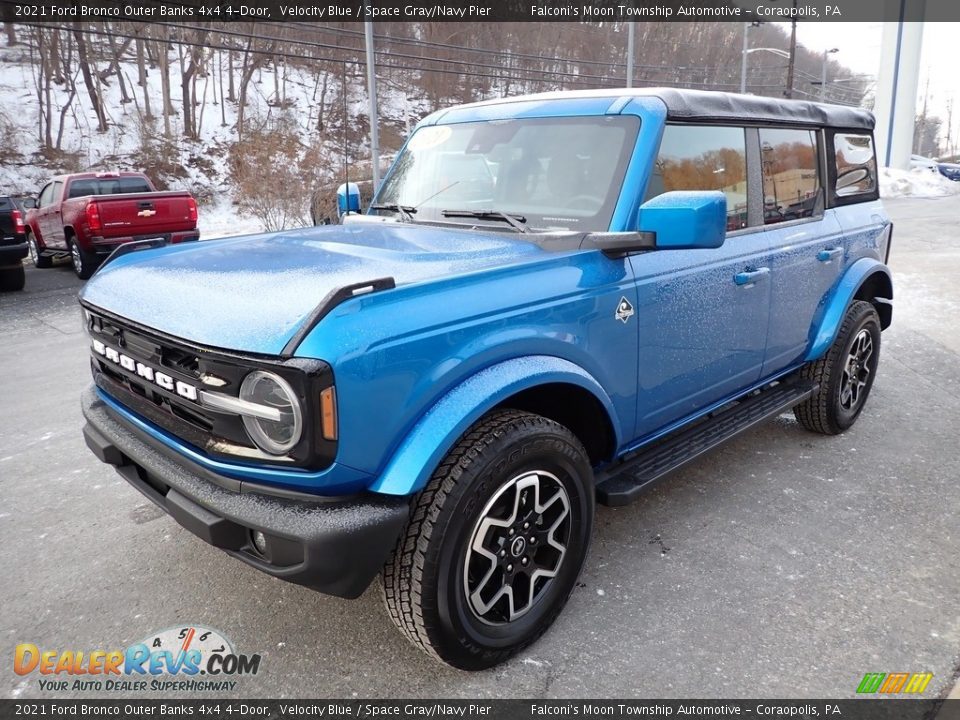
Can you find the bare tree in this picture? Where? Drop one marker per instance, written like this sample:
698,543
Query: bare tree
84,61
70,78
189,64
114,67
8,16
142,78
255,55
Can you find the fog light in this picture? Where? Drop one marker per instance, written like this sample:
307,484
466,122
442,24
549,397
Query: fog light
259,542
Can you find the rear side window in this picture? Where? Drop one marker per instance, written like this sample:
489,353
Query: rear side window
791,179
700,157
856,166
108,186
5,204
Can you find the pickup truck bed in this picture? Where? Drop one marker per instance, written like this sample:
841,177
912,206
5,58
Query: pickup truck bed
89,215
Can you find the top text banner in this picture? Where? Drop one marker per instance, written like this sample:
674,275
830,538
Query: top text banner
482,10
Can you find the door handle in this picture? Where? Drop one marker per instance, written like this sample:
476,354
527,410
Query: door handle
748,277
829,254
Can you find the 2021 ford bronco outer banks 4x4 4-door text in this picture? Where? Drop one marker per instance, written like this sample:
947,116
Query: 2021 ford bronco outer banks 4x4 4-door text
552,300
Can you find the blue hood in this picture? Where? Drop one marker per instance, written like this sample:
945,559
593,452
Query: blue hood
251,293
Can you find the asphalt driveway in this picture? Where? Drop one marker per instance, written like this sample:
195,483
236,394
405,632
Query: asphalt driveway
784,565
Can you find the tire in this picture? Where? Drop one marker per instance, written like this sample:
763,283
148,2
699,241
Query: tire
845,373
84,263
456,554
12,278
38,260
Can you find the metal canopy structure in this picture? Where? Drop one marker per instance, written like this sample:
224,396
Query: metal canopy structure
897,84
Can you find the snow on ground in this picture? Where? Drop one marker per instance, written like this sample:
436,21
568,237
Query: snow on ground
919,182
225,220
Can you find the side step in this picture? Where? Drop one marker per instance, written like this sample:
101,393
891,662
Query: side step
623,483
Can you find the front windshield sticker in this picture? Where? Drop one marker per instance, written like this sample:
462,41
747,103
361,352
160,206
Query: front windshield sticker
429,137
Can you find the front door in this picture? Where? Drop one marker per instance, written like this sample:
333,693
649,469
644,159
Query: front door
702,314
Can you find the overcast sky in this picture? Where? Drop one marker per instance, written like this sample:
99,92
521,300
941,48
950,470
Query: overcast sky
859,50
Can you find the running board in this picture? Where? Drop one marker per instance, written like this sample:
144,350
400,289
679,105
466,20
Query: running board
623,483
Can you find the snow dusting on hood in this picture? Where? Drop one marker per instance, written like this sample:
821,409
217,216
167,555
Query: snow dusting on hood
250,294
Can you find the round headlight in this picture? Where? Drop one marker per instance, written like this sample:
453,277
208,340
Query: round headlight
276,437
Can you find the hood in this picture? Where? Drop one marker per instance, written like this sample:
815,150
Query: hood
251,293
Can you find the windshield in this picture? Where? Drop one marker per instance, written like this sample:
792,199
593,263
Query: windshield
554,173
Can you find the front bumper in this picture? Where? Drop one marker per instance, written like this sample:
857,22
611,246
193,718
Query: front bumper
334,545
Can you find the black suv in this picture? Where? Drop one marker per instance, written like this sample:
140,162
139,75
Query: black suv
13,243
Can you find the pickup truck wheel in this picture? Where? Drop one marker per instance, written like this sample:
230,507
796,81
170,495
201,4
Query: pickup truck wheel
38,260
495,541
845,374
12,278
84,263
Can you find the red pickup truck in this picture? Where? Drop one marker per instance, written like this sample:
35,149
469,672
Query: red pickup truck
88,215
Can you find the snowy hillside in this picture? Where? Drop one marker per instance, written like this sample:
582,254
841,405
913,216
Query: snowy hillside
296,106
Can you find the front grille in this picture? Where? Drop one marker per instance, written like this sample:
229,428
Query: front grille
180,416
188,369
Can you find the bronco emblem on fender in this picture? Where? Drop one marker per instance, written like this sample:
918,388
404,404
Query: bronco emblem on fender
624,311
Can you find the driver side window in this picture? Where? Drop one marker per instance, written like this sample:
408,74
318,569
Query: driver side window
45,196
701,157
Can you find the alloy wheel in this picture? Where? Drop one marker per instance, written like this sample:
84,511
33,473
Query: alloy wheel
856,371
517,547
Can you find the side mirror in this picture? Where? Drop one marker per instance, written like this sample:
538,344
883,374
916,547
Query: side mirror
29,203
348,199
685,219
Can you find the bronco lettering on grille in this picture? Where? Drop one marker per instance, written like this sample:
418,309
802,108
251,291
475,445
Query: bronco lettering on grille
161,379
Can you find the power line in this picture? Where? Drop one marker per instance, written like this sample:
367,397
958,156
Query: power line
290,56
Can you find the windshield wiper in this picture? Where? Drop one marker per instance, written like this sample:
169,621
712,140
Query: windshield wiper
515,221
404,211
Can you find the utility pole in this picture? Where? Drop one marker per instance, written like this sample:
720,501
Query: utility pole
950,127
629,54
919,138
793,53
743,59
823,74
372,93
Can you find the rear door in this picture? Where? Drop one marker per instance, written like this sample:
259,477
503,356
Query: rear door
808,241
702,314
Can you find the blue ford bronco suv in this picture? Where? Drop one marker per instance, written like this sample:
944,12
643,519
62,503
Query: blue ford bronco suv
552,301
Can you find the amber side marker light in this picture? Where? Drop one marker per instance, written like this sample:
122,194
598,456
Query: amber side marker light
328,413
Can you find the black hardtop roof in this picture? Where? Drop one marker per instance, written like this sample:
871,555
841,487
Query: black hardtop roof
708,105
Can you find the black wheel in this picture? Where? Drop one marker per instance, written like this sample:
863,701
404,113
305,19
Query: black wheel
495,541
845,373
36,258
12,278
84,263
